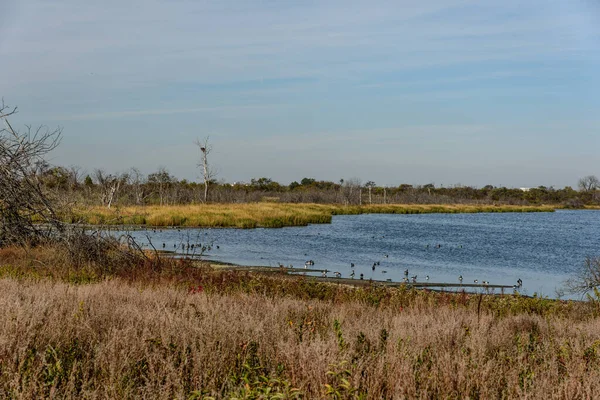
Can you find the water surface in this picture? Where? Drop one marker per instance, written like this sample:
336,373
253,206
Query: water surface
542,249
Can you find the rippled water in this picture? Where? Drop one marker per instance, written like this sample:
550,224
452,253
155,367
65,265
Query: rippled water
543,249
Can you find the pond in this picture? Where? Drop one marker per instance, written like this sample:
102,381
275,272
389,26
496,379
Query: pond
541,249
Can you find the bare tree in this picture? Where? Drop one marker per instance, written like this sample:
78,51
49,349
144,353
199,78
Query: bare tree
352,191
136,182
589,183
370,185
208,174
587,279
22,196
109,186
162,181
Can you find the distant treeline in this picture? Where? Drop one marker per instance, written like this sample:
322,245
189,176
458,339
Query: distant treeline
162,188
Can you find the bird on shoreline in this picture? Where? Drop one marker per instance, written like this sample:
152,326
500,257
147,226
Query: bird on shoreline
406,272
519,282
460,278
352,274
337,274
414,279
475,281
427,277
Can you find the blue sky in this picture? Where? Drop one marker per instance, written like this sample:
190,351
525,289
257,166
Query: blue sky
449,92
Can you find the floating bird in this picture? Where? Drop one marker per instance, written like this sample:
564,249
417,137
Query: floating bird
389,279
438,246
460,278
164,244
386,255
373,267
414,279
384,272
406,272
218,247
519,282
351,265
310,262
352,274
427,278
377,263
361,276
337,274
475,281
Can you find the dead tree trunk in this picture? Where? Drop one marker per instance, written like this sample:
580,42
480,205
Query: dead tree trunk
207,172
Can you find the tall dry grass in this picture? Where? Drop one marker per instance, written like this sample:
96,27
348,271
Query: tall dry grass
115,339
267,214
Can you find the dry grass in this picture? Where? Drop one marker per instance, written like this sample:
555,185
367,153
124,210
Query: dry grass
120,340
267,214
173,330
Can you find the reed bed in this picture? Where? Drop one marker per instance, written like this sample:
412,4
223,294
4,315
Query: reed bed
117,339
267,214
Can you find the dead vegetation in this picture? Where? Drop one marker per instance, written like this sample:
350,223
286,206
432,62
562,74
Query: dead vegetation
121,339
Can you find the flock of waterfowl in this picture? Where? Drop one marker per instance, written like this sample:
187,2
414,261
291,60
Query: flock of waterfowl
413,279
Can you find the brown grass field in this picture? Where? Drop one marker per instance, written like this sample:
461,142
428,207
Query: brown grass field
267,214
172,329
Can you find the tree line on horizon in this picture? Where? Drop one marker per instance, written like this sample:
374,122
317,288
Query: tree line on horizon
162,188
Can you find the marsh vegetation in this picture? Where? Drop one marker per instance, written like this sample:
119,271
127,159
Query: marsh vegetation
169,329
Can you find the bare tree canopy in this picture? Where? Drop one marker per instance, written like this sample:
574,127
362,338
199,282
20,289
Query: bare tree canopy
22,197
587,279
589,183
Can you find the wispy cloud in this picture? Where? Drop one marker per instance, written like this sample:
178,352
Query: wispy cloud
337,71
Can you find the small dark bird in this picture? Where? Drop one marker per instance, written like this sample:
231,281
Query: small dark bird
386,255
475,281
427,277
519,282
373,267
351,265
414,279
218,247
361,276
460,278
384,272
406,272
164,245
352,274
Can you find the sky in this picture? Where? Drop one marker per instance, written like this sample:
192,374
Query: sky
454,92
